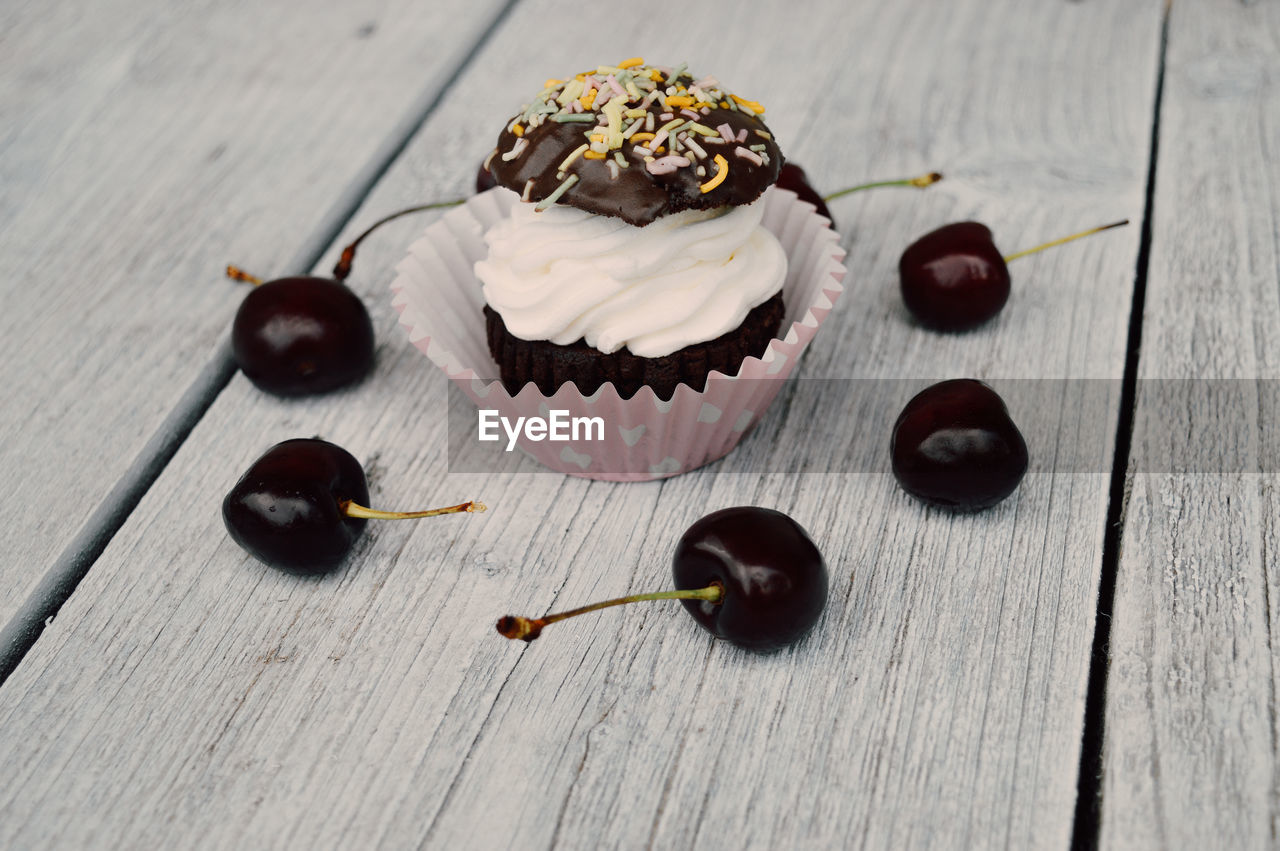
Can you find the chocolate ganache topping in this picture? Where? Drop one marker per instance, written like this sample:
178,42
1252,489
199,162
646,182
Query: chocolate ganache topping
637,142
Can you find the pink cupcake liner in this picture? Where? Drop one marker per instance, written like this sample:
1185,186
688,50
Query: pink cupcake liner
440,304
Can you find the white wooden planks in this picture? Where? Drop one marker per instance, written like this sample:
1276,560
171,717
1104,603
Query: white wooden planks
187,693
144,146
1190,754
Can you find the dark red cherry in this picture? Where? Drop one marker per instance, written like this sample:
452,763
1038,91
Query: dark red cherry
954,278
304,335
774,578
955,445
748,575
301,506
287,509
792,176
297,336
484,180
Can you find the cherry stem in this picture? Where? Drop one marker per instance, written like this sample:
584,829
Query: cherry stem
527,629
1073,236
235,273
919,182
352,509
343,267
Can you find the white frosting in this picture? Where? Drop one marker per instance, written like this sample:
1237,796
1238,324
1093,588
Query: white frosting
564,274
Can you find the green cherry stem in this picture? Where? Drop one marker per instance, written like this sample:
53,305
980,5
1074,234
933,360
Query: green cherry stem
1065,239
354,509
918,182
527,629
343,267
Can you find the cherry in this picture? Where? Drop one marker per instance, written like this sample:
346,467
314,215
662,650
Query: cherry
749,575
484,180
954,278
300,507
303,335
774,578
792,176
954,445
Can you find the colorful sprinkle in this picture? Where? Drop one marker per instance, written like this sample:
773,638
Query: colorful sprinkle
516,150
722,171
578,151
613,111
555,195
571,91
659,111
667,165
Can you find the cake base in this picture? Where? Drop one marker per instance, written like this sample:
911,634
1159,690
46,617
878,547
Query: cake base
549,365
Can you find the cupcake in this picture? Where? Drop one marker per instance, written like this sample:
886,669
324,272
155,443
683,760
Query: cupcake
642,275
638,256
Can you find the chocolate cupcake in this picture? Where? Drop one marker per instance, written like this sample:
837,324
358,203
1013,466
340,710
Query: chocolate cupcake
639,258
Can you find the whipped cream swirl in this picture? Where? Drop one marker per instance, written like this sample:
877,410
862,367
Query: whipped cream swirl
564,274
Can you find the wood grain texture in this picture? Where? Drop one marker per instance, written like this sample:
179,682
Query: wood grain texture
188,693
1190,757
144,146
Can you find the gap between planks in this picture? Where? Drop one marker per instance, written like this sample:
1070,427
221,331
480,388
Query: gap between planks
1087,825
77,558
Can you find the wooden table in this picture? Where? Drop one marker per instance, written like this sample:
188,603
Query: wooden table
1091,662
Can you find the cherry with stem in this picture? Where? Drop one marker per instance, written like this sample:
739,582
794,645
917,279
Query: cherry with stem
303,335
749,575
303,503
954,278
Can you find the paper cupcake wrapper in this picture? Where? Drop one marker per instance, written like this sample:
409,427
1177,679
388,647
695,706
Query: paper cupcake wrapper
440,304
